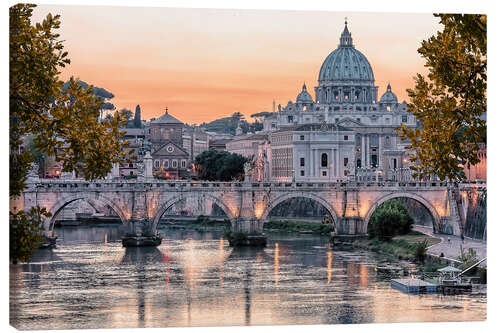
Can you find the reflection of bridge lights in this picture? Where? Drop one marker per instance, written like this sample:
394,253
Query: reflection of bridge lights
276,264
329,266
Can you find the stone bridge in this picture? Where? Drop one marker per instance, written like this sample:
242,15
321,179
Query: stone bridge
141,203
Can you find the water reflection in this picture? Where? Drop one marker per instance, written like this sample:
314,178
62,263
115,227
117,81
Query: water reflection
196,279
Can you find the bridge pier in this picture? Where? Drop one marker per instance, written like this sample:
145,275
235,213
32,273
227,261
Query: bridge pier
140,233
247,232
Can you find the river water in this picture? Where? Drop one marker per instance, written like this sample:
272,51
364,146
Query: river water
195,279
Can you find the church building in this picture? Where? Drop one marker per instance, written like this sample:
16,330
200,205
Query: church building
345,131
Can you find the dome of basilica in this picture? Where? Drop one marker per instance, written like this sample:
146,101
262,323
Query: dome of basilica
389,96
346,63
304,96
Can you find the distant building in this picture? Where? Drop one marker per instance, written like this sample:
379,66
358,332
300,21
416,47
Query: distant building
194,141
478,171
218,144
247,145
136,139
169,155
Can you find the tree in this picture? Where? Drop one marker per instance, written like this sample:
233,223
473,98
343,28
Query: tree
126,113
389,219
63,123
137,117
216,165
451,102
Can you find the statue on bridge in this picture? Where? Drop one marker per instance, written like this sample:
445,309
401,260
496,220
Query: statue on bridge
33,171
246,167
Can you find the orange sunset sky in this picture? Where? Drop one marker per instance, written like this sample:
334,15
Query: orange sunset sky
209,63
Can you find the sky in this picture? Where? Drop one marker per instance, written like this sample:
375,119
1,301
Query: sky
209,63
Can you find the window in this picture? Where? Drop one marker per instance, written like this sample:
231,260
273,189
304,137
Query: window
374,161
302,173
394,163
165,163
130,165
346,160
302,137
290,119
324,173
174,164
346,137
302,161
404,119
157,163
183,164
358,163
324,160
273,125
131,173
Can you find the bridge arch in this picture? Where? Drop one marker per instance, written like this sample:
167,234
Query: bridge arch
435,216
169,203
275,202
95,200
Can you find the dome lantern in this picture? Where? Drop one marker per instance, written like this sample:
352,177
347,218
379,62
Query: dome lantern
345,38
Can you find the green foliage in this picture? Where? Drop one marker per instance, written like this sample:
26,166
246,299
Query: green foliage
389,219
97,91
64,123
421,250
450,102
295,226
229,125
219,165
25,233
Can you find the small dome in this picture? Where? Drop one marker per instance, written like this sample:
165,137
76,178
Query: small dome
304,96
388,96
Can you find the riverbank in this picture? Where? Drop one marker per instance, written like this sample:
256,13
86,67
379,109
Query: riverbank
449,246
298,226
401,247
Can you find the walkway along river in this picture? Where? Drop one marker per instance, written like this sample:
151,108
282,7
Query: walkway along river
195,279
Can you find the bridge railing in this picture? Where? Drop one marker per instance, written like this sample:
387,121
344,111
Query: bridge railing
123,184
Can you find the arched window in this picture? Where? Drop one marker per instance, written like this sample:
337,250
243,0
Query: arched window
324,160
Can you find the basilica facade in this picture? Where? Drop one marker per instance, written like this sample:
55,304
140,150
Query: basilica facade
345,131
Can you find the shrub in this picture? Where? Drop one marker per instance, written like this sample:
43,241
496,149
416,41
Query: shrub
420,252
391,218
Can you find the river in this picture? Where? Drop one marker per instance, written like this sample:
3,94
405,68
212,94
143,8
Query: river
195,279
